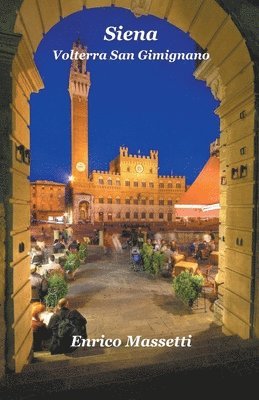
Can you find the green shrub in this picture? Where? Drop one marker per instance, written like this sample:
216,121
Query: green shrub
152,260
146,254
187,287
158,261
82,252
72,262
57,289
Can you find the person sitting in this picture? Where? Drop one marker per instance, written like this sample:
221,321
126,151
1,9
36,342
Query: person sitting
200,250
63,315
39,329
212,246
155,245
36,255
57,246
39,285
168,257
53,266
173,246
73,247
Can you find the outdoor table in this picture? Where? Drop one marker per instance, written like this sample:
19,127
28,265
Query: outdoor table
178,257
43,269
184,266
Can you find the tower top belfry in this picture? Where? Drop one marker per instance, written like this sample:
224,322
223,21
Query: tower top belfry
79,80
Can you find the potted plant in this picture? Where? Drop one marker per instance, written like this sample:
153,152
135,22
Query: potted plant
82,253
57,289
158,261
187,287
152,260
71,264
146,254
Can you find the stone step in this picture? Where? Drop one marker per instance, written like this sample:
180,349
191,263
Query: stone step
219,349
91,371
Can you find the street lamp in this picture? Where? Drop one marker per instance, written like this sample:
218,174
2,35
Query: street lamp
71,178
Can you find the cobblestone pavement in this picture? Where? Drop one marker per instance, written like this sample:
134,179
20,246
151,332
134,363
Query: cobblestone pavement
118,301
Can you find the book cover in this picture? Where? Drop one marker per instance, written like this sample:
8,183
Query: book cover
129,195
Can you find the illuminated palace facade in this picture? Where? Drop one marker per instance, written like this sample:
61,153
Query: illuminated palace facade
131,190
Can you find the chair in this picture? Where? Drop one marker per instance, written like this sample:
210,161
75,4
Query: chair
37,259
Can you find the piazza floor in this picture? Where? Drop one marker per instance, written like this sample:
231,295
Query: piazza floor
118,301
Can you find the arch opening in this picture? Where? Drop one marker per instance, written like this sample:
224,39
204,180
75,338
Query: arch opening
230,76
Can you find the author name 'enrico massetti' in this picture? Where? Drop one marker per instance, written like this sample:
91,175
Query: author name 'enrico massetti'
132,341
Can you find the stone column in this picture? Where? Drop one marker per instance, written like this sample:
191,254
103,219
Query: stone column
100,238
8,48
19,78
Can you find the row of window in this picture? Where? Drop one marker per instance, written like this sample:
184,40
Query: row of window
50,196
137,184
49,187
135,215
161,202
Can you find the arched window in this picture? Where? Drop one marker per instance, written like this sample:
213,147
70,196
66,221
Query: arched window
100,181
109,181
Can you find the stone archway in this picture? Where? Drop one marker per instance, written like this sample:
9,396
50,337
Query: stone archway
230,74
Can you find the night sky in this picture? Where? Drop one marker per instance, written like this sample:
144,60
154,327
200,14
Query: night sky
141,104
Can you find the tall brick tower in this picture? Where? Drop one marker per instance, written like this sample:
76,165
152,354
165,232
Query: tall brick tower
79,84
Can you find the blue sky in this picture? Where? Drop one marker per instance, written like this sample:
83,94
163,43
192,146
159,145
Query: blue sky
141,104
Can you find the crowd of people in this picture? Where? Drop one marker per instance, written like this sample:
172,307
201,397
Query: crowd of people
52,330
47,326
202,248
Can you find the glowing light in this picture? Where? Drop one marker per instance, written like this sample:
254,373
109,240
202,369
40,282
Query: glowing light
71,178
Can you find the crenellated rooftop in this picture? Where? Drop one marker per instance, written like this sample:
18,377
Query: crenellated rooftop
171,176
105,172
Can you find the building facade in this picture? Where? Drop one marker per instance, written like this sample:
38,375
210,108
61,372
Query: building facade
47,200
131,190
